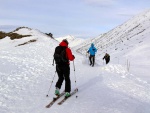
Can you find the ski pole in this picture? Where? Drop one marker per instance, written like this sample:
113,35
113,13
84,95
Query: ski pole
75,78
51,84
53,62
73,66
74,73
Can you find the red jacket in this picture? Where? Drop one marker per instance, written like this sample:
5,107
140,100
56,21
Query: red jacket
68,51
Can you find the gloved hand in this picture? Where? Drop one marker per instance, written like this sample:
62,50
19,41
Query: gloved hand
73,56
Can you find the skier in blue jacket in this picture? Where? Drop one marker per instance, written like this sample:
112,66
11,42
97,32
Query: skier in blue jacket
92,50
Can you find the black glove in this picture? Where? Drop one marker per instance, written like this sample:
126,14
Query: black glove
73,56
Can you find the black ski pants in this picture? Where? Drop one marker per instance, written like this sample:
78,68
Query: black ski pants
107,60
63,72
92,59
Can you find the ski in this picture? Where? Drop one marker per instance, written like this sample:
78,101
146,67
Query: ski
65,98
54,100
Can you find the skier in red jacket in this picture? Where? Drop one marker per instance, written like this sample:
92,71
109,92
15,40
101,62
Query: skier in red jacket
63,67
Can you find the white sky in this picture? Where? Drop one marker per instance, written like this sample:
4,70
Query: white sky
81,18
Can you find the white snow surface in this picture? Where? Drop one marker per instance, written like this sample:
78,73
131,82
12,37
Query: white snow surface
73,41
26,74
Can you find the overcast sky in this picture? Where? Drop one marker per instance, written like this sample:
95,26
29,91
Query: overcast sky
81,18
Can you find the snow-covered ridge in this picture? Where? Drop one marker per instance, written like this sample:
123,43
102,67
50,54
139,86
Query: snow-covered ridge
28,31
26,36
73,41
68,37
132,29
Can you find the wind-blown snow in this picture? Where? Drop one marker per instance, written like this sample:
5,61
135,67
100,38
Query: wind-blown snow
26,73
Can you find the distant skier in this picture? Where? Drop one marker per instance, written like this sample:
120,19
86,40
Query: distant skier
62,56
107,58
92,50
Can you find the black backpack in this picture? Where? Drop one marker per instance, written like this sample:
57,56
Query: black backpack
60,55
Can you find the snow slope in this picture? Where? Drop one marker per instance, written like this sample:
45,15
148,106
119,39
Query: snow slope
123,40
26,73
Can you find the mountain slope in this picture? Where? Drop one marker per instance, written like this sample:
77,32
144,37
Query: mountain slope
123,38
20,36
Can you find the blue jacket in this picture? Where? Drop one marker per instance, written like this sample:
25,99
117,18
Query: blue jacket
92,50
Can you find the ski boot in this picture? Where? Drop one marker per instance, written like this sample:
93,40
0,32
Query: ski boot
57,93
67,94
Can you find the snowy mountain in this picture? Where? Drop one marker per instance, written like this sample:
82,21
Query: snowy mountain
122,86
72,40
25,35
124,40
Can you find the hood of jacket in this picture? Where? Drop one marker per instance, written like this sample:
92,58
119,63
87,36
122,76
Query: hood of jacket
63,44
92,45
